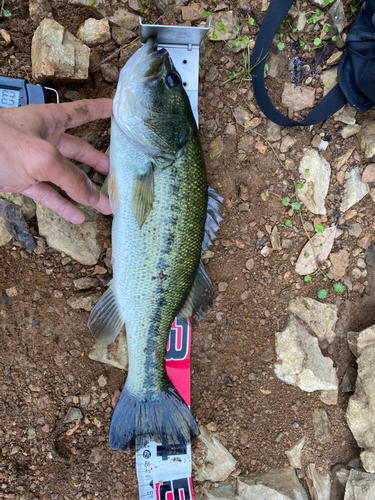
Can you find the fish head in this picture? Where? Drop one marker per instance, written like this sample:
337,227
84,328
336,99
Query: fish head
151,106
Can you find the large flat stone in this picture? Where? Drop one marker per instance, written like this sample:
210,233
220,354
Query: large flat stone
279,484
114,354
354,190
57,55
360,486
316,171
298,98
300,361
76,240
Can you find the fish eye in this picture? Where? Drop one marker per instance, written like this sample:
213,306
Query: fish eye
173,80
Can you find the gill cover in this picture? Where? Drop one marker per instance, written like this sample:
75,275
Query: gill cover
151,106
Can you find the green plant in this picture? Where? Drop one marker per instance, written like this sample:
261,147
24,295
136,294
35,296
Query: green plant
251,21
206,14
221,26
281,45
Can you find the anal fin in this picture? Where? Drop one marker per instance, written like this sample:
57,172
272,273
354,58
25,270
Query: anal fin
105,322
143,192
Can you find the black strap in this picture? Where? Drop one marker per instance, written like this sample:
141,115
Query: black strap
332,102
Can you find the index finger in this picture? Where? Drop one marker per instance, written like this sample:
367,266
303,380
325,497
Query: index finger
73,114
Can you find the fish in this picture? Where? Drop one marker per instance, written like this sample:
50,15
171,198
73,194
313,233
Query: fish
164,217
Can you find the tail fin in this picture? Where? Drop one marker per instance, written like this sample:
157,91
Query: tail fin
164,417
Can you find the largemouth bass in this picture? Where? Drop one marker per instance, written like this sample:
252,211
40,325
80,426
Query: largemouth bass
161,205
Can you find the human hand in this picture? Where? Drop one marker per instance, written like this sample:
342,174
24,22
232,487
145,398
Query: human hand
35,150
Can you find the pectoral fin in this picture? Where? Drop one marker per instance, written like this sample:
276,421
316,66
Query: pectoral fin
143,192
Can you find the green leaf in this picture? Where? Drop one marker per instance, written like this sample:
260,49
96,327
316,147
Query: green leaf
296,205
221,26
327,28
334,38
288,222
307,170
300,186
245,40
251,21
319,228
217,148
307,255
281,46
281,35
7,13
313,19
301,43
285,201
210,156
325,278
294,30
266,67
317,42
339,287
318,12
206,14
307,277
328,84
322,294
236,43
214,36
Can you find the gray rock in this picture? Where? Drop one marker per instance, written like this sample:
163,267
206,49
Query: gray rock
28,206
114,354
276,62
57,55
348,380
218,462
360,486
300,361
273,132
354,190
85,283
122,17
298,98
294,453
338,15
275,238
73,415
164,6
319,485
329,397
39,10
94,31
360,413
87,303
226,492
341,160
316,171
346,115
355,230
279,484
366,138
349,130
320,317
76,240
241,115
322,426
287,143
328,79
340,262
110,72
5,236
122,36
229,20
246,143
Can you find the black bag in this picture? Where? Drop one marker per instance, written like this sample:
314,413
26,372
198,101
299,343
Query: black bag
356,71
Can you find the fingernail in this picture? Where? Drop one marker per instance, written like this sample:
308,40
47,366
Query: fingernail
95,195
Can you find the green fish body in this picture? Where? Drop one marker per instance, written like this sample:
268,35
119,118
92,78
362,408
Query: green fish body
159,197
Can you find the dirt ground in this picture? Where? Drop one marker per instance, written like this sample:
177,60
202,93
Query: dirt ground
44,346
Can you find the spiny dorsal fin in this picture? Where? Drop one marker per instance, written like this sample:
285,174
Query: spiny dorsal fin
143,192
200,296
105,322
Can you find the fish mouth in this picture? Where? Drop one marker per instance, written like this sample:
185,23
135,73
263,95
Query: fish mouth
152,64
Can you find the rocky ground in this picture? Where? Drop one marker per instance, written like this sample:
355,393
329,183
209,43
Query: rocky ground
275,360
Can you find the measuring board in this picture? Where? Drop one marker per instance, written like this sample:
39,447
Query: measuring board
164,472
